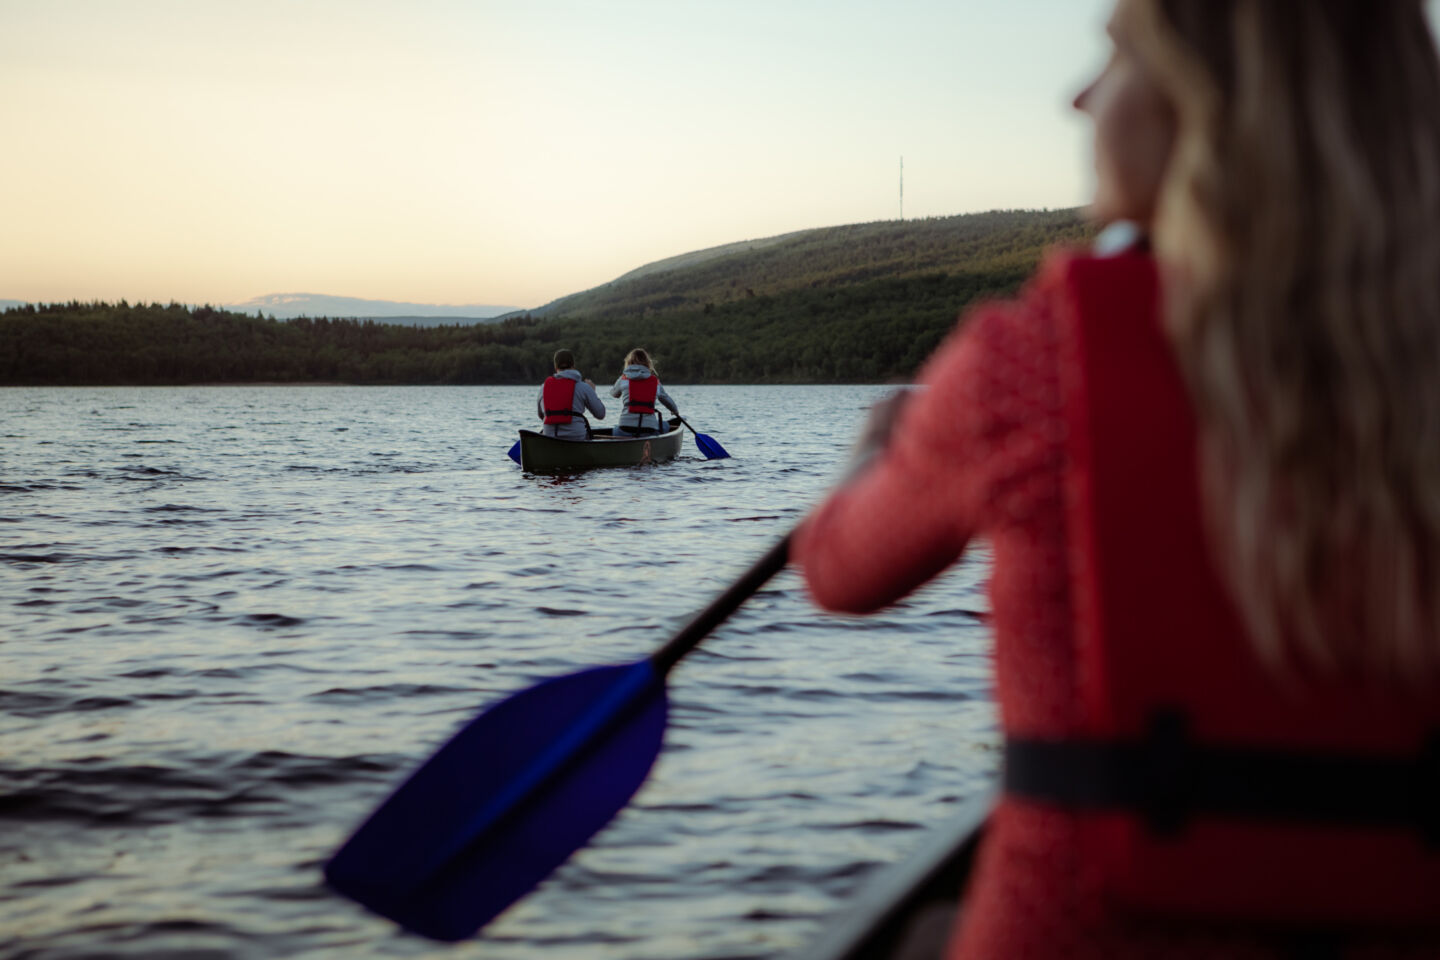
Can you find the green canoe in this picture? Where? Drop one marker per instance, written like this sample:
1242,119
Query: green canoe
542,454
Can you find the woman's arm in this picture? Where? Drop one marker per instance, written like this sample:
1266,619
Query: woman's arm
665,399
616,390
886,532
908,511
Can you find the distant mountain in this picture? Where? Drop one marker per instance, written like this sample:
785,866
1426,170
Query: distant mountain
827,258
7,304
286,306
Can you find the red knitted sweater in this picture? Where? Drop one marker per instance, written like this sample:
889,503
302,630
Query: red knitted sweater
981,452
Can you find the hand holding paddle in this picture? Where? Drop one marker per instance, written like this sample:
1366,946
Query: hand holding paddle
523,786
880,423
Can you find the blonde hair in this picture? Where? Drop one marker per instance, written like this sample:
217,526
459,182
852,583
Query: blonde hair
638,355
1299,226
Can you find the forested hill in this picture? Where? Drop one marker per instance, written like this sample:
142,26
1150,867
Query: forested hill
843,304
829,258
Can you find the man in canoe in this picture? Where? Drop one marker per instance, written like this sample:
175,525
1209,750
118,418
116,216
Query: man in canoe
1206,465
565,397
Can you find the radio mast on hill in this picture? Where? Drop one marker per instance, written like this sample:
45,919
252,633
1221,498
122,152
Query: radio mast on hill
902,187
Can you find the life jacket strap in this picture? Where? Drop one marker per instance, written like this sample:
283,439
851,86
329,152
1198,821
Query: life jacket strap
1167,777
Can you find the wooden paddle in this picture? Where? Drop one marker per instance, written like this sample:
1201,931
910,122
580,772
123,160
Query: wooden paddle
521,787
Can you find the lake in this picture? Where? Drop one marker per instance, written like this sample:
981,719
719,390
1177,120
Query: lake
235,617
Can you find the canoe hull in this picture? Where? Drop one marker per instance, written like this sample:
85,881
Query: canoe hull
542,454
889,915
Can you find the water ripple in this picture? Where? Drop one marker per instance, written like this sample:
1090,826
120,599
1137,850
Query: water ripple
240,615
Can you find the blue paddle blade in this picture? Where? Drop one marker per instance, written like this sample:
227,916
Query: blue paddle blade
506,801
709,447
514,452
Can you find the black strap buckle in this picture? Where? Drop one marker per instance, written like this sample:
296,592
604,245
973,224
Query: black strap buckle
1426,792
1168,760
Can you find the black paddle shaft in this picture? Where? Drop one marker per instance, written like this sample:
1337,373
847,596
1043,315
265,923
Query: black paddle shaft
721,607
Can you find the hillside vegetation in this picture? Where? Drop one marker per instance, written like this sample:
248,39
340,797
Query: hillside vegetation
856,303
829,258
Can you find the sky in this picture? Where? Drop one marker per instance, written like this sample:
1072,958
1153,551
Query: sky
506,152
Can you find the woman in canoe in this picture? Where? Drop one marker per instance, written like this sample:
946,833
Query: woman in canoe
639,390
1208,464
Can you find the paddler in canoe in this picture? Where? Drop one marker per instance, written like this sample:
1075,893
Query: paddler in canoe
1207,459
639,389
565,396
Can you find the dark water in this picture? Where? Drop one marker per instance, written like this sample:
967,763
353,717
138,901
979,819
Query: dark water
233,617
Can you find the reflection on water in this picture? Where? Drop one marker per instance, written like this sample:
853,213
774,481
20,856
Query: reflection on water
235,616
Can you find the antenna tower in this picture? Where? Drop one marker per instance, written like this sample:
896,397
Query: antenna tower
902,188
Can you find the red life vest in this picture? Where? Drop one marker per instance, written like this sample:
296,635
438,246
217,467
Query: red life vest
642,394
559,397
1203,784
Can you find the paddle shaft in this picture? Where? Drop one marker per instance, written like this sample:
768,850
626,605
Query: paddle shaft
448,879
708,445
721,607
602,718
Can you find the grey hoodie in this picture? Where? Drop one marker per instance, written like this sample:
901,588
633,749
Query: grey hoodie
638,371
585,399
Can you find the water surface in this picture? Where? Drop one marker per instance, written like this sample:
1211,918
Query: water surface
234,617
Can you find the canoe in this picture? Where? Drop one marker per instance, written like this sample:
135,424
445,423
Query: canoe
909,905
542,454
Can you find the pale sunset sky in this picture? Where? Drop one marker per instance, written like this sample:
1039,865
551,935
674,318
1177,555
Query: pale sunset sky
505,151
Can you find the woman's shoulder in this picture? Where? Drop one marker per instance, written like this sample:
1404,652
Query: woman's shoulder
1000,341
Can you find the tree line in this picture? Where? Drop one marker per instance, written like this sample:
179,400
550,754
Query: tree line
873,331
857,303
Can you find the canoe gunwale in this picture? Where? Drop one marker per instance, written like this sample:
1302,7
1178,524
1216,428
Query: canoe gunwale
873,923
